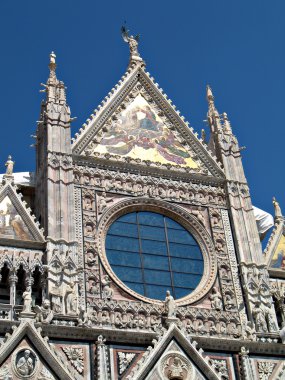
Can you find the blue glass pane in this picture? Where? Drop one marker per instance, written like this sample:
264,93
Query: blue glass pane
186,251
130,218
149,232
186,280
122,243
155,262
187,266
154,247
139,288
171,224
157,277
139,247
123,229
182,292
177,236
156,291
131,259
151,219
127,274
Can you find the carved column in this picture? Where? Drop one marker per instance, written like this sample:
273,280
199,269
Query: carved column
246,368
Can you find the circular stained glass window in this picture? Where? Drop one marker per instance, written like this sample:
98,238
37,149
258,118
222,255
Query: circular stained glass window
151,253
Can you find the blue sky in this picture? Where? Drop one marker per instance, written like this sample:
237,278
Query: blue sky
235,46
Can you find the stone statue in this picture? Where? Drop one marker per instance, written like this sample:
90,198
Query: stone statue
83,318
282,333
9,166
27,297
44,314
107,291
103,202
175,369
259,318
216,299
277,209
249,332
25,364
132,41
169,305
70,299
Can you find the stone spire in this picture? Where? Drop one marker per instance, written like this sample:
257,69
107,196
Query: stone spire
227,124
53,150
133,42
55,89
213,115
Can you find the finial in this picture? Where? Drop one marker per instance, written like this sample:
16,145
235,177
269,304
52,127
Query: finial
210,96
9,166
52,64
133,43
277,209
227,124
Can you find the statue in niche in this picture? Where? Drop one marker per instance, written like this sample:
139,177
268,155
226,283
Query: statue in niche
93,287
105,317
44,314
259,318
270,319
25,363
169,305
83,318
229,302
27,297
107,291
92,258
88,203
56,297
216,299
249,331
71,299
103,202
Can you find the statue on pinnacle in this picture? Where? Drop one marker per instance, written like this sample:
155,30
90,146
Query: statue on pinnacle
133,43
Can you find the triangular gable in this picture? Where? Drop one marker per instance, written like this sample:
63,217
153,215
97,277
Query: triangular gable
137,123
175,351
16,221
275,250
27,330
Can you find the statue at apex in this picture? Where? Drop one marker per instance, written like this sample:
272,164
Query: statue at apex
133,42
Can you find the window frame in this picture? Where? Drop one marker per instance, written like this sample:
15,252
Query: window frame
179,215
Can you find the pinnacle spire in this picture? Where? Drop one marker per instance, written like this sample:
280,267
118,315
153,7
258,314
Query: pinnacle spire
52,63
227,124
210,96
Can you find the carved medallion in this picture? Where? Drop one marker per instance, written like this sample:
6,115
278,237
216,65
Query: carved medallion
175,366
25,363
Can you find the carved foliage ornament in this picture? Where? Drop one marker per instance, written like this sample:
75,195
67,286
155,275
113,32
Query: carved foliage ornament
125,359
75,356
265,370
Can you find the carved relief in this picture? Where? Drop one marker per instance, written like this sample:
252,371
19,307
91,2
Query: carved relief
175,367
125,359
76,357
25,363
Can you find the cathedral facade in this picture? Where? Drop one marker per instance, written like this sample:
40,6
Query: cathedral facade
133,251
